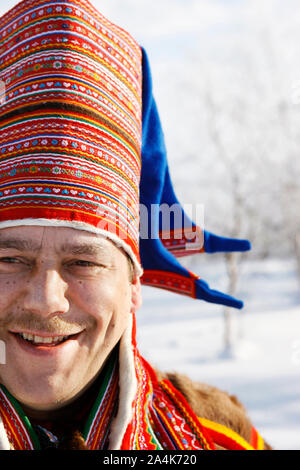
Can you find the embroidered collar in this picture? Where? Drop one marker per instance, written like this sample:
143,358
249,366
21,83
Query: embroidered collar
24,435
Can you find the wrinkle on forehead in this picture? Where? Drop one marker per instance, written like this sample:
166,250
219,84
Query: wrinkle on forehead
91,245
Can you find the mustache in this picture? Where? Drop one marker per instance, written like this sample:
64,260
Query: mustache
57,324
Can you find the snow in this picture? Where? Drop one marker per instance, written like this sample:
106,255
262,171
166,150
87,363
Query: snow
263,366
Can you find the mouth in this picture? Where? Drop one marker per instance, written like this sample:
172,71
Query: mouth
43,340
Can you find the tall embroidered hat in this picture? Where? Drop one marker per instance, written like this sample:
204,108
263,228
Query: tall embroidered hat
81,144
70,138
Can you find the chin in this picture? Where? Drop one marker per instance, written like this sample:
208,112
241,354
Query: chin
43,393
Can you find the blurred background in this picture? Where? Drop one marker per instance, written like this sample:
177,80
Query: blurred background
226,79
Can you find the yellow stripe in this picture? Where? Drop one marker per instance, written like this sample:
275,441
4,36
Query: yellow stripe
86,54
125,141
225,431
260,442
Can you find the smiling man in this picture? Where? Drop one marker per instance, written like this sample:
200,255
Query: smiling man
74,167
65,303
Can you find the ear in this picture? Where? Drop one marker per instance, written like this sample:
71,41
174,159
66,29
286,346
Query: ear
136,294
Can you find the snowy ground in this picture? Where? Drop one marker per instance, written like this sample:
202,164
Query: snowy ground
178,333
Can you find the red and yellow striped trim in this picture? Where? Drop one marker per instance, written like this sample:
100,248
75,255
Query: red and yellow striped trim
229,439
256,440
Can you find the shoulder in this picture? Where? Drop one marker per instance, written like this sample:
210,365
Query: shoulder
212,404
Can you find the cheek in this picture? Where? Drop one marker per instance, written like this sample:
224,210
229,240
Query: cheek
107,302
10,290
101,294
91,296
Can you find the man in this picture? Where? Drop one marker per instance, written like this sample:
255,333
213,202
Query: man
78,94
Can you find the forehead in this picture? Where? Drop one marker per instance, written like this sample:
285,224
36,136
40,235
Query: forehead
61,239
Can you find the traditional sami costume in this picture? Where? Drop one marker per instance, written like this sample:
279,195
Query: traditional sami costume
81,146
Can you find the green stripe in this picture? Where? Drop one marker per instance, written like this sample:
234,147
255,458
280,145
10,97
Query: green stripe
76,93
78,20
154,439
25,420
89,160
53,196
106,373
67,47
62,198
61,115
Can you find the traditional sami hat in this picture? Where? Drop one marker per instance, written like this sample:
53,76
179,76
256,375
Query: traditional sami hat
70,140
81,142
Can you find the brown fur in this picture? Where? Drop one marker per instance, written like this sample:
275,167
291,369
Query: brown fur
213,404
74,441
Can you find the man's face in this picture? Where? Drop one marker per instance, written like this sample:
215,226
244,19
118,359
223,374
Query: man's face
69,293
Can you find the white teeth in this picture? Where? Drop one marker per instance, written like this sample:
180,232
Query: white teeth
28,336
41,339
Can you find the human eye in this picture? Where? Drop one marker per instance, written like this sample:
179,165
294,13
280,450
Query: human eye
11,264
9,259
84,263
83,268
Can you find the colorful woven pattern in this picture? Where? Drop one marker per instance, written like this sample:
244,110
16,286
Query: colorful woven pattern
161,417
97,427
70,138
16,424
228,439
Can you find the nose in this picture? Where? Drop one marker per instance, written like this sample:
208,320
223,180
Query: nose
45,294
